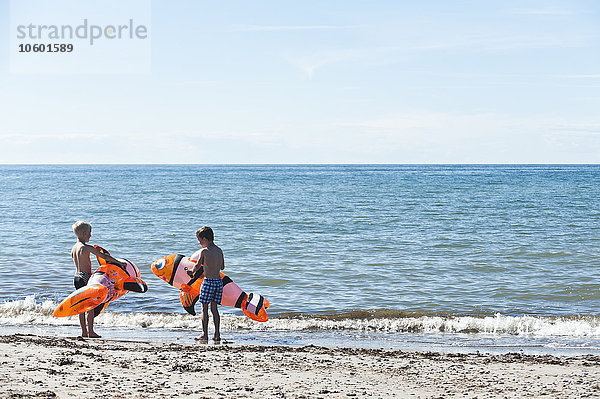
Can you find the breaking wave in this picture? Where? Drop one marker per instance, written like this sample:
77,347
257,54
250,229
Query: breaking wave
30,311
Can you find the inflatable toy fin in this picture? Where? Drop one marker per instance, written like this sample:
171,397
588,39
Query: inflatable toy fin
132,284
103,261
104,251
188,298
100,308
82,300
135,285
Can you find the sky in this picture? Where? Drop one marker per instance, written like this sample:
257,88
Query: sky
339,81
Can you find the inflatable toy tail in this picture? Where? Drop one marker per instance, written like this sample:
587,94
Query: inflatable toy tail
255,307
84,299
188,297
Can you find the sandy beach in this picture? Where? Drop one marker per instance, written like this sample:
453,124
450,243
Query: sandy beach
50,367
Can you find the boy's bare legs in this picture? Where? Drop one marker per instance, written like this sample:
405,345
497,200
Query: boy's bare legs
217,320
84,331
204,336
90,322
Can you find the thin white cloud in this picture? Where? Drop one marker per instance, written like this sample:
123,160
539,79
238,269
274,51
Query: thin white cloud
31,137
310,63
426,122
279,28
545,11
201,83
582,76
425,136
451,127
585,129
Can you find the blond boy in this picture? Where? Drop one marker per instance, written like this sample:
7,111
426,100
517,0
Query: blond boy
83,270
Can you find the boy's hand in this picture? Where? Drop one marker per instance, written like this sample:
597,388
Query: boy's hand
189,272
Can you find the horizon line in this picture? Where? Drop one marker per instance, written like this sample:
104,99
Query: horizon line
312,164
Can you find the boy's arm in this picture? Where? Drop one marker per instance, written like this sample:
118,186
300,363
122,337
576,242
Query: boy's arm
191,272
106,257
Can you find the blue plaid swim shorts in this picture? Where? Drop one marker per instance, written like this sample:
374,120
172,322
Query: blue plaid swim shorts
211,291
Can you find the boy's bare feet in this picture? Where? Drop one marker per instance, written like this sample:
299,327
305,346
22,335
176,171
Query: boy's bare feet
94,335
217,339
203,339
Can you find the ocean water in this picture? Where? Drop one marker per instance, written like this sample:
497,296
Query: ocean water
432,256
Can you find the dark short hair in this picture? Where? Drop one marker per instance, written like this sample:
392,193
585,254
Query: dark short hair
205,232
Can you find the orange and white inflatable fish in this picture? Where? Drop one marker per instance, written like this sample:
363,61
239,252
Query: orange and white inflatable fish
106,284
173,270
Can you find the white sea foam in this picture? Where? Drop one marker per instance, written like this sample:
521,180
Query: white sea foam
29,311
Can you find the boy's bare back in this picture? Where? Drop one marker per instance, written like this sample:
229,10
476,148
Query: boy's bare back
81,257
212,259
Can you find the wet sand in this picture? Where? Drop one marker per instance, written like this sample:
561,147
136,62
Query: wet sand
50,367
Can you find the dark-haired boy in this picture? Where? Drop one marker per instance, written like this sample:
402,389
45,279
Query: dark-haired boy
211,258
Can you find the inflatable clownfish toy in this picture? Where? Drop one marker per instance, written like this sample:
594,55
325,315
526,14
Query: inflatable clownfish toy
173,270
106,284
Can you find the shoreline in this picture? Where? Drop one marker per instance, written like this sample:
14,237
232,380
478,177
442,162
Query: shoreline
410,342
57,367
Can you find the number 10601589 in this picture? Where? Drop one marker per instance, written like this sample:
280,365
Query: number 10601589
45,48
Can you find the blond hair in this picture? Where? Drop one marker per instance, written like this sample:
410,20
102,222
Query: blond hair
80,226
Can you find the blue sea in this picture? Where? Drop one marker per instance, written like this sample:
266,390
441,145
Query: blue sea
427,257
